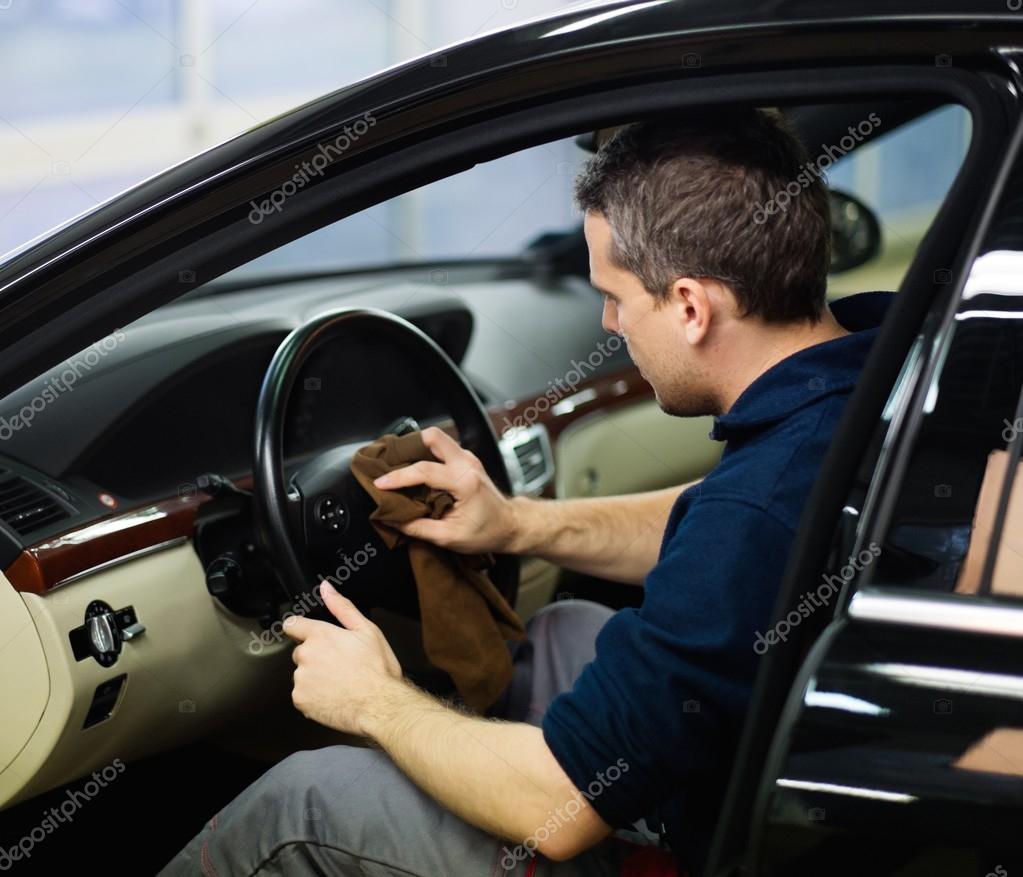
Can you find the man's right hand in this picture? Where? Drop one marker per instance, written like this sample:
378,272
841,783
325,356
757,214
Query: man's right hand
613,537
482,518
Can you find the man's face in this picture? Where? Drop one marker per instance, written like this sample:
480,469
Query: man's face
655,336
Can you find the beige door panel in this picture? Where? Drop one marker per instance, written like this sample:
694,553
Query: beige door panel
632,449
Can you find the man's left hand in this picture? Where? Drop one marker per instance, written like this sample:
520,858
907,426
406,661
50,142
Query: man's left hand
340,671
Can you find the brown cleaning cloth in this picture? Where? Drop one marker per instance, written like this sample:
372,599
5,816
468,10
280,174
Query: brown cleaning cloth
465,619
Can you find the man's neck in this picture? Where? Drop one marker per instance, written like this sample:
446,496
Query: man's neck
766,346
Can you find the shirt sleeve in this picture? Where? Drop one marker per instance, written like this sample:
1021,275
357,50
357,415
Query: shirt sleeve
671,680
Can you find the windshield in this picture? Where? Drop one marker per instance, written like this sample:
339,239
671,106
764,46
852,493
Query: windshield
491,210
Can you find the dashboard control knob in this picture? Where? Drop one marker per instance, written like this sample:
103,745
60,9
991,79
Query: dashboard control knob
223,575
103,635
101,632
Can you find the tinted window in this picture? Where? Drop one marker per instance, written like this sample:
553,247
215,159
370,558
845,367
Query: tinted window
959,495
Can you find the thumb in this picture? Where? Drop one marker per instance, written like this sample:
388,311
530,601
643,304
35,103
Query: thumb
343,609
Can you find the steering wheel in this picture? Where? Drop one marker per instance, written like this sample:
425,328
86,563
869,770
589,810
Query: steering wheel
314,521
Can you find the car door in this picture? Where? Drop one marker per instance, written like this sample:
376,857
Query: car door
900,750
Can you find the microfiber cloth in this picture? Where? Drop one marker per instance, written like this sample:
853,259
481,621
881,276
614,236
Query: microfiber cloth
465,619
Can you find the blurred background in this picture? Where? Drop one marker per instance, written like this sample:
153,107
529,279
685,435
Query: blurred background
101,94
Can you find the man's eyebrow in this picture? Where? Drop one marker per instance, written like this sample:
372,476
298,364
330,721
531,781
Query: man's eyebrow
603,291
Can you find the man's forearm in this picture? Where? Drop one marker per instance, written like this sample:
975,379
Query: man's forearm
498,776
614,537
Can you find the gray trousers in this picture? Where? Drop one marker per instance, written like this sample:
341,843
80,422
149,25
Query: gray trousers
346,810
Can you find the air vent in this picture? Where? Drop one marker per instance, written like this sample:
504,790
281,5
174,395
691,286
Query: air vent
527,454
531,460
24,507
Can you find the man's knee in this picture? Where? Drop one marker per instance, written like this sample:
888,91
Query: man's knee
302,796
305,778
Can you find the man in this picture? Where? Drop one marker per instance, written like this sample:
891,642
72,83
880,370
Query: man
723,314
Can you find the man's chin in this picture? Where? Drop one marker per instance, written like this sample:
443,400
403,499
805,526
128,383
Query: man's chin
688,407
667,409
676,407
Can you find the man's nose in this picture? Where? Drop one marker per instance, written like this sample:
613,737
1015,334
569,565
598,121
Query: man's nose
609,318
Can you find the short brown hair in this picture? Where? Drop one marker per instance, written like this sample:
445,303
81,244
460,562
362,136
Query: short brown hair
685,198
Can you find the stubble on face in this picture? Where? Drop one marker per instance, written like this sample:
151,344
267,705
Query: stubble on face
685,395
681,388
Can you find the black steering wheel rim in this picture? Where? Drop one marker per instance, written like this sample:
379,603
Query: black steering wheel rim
274,503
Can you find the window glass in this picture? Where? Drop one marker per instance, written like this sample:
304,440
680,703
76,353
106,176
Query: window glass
994,560
903,177
955,495
497,208
494,209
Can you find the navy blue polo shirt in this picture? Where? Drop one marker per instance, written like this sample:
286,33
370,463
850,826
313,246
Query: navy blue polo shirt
653,721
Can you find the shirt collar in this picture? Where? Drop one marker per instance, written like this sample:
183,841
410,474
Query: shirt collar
811,374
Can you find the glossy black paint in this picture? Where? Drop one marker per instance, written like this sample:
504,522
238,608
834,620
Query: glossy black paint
907,757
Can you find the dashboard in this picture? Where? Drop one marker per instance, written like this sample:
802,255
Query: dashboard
171,397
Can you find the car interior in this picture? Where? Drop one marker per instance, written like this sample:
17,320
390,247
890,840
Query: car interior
139,491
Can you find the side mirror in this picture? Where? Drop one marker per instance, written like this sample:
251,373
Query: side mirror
855,232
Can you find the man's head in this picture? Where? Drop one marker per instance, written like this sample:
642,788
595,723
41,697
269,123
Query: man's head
687,270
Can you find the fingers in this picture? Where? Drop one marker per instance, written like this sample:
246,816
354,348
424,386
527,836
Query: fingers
299,628
436,475
441,445
343,609
456,463
435,530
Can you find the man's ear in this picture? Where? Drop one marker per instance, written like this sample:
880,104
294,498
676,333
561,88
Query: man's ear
694,304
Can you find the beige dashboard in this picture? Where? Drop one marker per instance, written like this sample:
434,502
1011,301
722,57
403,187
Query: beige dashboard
190,671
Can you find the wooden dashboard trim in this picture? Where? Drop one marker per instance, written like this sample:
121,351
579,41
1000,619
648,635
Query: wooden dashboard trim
557,410
43,566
